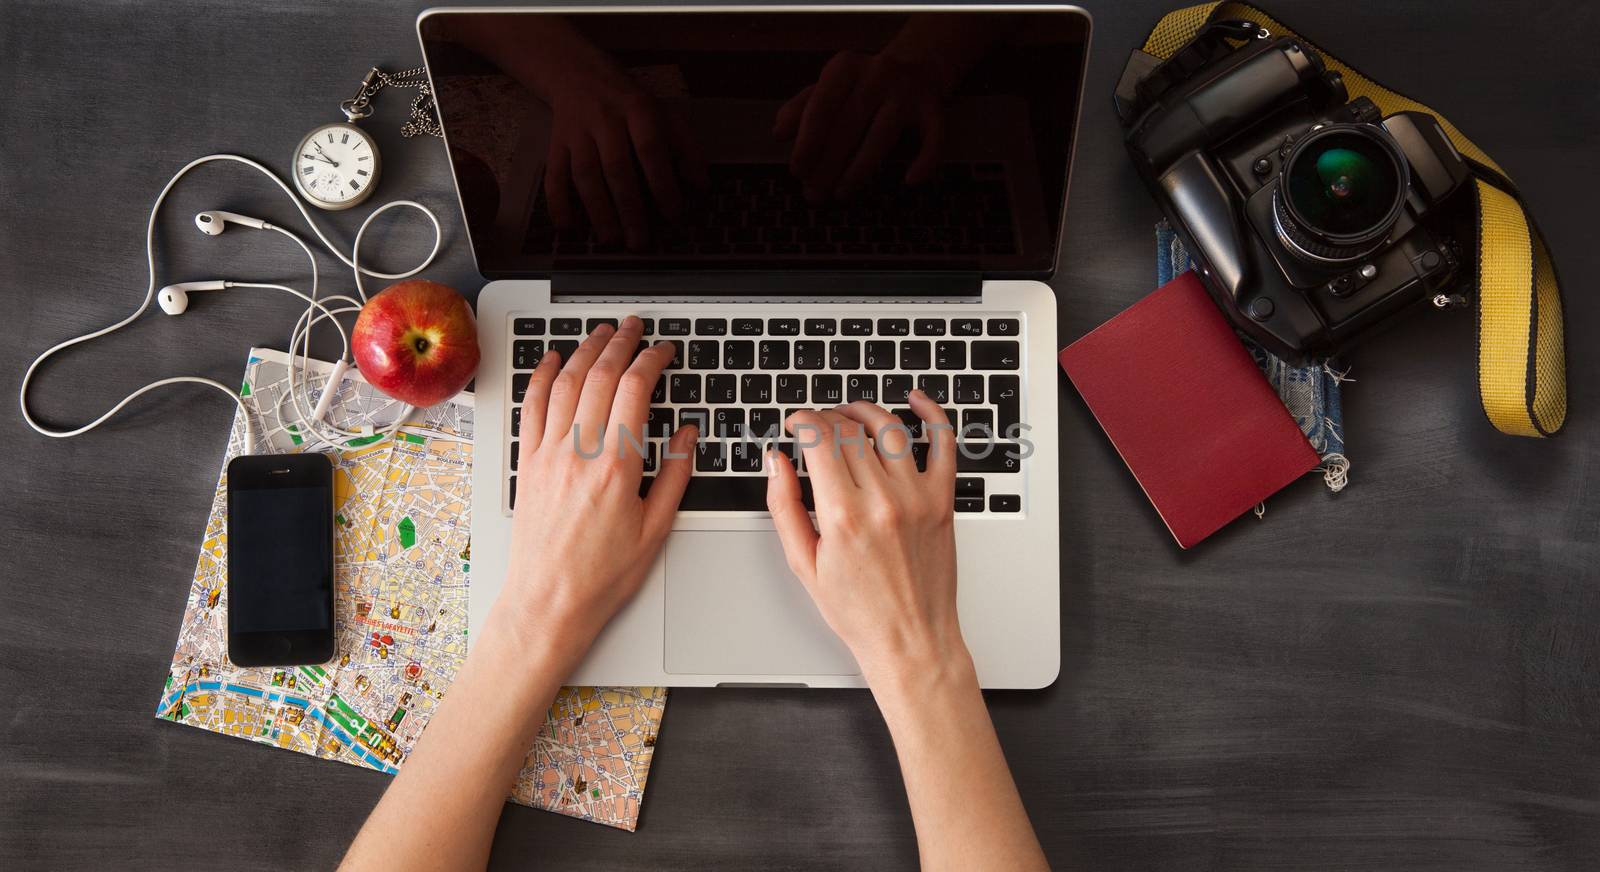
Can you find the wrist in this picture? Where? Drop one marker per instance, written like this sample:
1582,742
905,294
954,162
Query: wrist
906,685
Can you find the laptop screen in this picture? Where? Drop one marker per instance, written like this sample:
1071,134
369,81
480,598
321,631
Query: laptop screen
770,141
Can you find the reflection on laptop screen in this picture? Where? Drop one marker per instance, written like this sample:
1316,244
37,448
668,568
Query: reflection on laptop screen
759,141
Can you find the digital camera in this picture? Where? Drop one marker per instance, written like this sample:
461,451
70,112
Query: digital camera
1312,218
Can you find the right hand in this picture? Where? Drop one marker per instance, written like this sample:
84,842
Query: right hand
881,561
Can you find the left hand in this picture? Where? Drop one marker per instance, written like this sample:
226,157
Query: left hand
582,538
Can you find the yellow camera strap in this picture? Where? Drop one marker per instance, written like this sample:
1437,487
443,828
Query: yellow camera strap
1522,376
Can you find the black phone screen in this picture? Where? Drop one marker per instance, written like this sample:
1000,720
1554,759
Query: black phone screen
280,559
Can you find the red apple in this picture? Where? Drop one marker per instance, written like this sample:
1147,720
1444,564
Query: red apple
417,341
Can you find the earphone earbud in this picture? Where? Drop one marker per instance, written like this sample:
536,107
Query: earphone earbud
213,222
174,299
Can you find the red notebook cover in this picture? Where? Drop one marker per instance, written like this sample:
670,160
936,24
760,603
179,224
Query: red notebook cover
1187,408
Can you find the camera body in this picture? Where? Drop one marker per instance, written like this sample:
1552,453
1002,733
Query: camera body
1313,218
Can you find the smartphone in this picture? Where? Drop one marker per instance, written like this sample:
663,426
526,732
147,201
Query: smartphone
280,559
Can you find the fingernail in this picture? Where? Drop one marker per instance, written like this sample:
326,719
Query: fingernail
917,392
771,463
632,321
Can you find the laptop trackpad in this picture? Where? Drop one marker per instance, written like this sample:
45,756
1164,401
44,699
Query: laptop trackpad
734,608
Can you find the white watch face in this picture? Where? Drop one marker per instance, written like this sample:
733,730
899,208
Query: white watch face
336,166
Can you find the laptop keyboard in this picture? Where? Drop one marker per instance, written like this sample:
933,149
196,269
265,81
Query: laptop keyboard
739,378
758,209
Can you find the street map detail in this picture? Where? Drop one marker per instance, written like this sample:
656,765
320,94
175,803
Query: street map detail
403,555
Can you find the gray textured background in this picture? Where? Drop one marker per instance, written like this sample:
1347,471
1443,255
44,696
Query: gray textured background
1403,676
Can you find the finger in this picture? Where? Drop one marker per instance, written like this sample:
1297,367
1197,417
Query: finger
568,385
789,518
655,155
833,88
865,467
881,138
616,161
535,404
661,503
941,437
830,477
632,406
890,434
931,125
558,186
787,123
600,383
589,178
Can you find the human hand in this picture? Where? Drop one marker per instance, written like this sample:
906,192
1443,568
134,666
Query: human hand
582,538
601,121
847,123
881,560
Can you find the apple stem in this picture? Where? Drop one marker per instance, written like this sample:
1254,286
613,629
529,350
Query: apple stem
422,344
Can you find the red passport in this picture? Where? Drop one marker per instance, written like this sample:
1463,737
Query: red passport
1186,407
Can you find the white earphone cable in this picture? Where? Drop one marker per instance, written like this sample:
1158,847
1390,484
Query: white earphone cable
315,312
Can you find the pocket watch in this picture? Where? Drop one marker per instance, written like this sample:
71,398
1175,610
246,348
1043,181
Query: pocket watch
336,165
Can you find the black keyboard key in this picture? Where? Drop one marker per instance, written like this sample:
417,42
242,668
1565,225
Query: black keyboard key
1004,327
738,354
988,457
913,424
763,423
1005,503
728,423
711,326
844,354
704,353
566,326
783,326
966,327
977,424
709,457
950,355
880,354
649,458
821,327
916,354
747,326
514,453
565,348
511,491
686,388
658,423
516,421
861,387
969,389
525,353
677,353
528,326
790,388
734,493
857,327
929,326
519,386
674,326
658,394
969,504
996,355
596,322
744,457
773,354
810,354
648,326
894,327
827,390
969,487
937,387
722,388
1005,391
700,418
896,388
755,389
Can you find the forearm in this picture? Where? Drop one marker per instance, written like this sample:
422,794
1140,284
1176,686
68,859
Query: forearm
963,801
442,808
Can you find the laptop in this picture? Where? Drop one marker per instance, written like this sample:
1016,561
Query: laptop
817,204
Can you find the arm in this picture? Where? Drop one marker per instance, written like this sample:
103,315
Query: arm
880,563
581,544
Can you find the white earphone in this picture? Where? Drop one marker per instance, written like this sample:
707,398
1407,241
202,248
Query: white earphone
174,300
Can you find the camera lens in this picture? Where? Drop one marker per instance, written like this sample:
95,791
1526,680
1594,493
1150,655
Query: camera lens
1341,189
